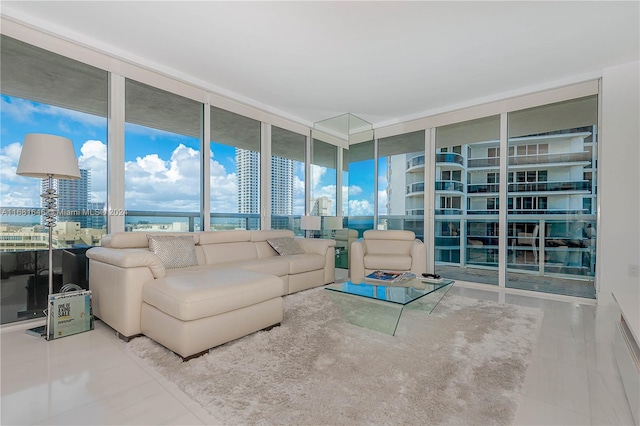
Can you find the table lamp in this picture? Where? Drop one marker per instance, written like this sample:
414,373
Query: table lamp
48,157
310,223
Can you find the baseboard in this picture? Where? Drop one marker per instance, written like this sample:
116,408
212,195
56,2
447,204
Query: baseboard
627,355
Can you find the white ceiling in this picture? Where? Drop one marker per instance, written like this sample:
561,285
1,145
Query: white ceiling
382,61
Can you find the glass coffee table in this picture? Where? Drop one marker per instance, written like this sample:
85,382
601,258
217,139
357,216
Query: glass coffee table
380,306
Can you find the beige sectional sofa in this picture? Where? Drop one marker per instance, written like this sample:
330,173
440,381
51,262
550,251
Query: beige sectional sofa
233,287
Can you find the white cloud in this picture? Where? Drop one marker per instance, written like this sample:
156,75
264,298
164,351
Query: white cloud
16,191
152,183
93,157
360,208
382,202
354,190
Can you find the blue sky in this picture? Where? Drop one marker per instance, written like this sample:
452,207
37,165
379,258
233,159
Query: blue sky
161,170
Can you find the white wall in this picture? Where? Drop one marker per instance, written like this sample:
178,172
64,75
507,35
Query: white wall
619,193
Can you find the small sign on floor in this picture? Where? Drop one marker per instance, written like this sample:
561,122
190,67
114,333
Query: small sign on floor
70,313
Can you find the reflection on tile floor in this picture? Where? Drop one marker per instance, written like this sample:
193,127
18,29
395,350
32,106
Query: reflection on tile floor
89,379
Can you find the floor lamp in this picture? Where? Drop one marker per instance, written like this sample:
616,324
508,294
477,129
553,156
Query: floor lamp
48,157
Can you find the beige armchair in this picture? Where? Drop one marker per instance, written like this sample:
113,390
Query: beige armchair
387,250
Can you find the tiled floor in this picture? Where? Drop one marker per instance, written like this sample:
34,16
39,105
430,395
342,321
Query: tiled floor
89,379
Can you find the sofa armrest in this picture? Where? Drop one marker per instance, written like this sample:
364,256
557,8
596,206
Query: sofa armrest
128,258
418,257
356,260
316,245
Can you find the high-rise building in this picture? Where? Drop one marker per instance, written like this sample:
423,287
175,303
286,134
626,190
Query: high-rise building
248,174
281,186
248,178
73,197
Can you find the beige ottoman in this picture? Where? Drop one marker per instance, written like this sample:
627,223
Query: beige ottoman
194,311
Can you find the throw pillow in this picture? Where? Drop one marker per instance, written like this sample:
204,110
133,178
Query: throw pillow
285,246
174,251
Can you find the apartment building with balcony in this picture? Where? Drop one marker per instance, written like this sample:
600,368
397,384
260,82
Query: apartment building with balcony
551,186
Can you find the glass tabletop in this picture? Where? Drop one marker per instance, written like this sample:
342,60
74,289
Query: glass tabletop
401,293
380,306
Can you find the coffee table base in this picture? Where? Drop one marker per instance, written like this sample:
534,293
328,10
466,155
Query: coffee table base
380,315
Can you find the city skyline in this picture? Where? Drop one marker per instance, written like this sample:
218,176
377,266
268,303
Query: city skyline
159,166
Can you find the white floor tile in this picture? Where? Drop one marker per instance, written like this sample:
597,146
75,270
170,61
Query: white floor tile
534,412
560,384
562,349
90,378
607,400
147,404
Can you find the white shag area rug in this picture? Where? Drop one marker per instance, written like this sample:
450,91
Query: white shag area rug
462,364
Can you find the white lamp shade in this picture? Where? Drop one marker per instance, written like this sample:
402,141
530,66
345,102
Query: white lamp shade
333,222
44,155
310,223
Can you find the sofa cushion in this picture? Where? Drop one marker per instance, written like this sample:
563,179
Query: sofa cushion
217,237
174,251
204,292
299,263
137,239
285,246
229,252
271,265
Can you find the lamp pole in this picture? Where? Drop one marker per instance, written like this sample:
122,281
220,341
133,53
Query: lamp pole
50,197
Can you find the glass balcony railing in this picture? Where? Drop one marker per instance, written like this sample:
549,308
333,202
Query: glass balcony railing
415,162
582,185
449,157
538,159
448,212
486,188
449,185
414,188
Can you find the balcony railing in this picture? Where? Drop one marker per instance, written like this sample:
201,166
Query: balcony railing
538,211
570,157
414,188
449,185
448,211
415,162
488,188
449,157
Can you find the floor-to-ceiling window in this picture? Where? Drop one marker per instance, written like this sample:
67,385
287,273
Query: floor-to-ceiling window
360,186
466,179
358,197
551,202
401,182
234,171
287,179
43,92
162,160
324,169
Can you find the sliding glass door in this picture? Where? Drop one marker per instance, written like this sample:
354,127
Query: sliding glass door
552,198
466,180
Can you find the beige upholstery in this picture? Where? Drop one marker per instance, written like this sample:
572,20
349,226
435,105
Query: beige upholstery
238,284
387,250
187,302
344,238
